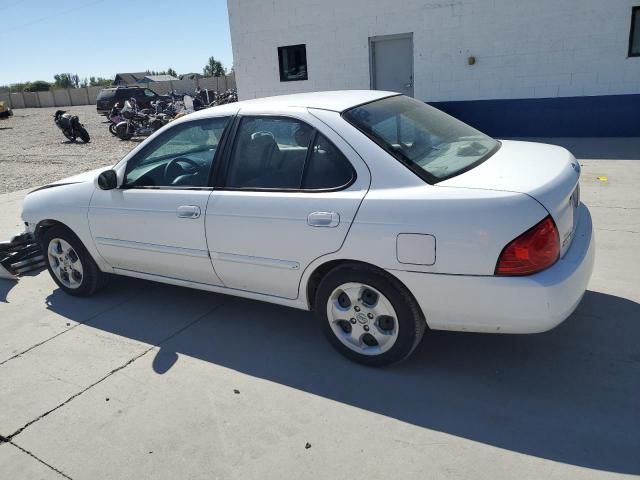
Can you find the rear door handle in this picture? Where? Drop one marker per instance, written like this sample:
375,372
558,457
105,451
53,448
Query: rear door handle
323,219
188,211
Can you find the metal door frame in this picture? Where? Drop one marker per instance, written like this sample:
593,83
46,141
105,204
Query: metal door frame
372,57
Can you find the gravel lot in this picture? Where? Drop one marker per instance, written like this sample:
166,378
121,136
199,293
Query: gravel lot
34,152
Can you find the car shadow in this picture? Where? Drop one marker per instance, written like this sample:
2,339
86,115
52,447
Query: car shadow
5,287
571,395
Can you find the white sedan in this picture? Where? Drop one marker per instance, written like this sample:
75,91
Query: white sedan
384,216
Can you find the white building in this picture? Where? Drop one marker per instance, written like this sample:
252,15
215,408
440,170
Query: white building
539,67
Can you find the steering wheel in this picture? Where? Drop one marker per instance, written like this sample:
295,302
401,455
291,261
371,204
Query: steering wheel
173,169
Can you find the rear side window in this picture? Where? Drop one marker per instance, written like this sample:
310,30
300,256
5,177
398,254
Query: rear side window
327,168
281,153
106,94
269,152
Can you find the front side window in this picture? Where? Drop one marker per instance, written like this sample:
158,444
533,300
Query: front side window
149,93
634,35
181,157
293,63
433,144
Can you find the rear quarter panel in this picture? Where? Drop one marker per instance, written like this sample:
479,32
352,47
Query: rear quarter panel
470,226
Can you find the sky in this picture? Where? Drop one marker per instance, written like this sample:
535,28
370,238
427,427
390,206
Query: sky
39,38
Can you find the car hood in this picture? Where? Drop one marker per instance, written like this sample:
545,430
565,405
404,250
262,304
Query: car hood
79,178
547,173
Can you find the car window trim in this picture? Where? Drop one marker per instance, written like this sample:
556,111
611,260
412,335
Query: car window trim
209,185
221,180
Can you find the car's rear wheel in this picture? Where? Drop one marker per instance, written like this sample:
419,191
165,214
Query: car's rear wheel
70,264
368,316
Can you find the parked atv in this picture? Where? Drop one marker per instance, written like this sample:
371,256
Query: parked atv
71,126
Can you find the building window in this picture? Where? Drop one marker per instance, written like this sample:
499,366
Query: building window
634,35
293,63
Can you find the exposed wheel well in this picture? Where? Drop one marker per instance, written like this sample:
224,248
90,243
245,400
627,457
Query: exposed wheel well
45,225
320,272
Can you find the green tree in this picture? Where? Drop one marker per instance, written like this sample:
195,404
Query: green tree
172,72
37,86
100,82
18,87
213,68
63,80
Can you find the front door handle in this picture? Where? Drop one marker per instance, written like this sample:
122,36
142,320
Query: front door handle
188,211
323,219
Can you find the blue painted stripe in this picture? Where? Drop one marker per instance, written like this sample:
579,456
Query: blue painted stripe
594,116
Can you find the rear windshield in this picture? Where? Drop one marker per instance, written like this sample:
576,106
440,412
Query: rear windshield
433,144
106,94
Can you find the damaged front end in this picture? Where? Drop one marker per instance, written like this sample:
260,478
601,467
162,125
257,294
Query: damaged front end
20,255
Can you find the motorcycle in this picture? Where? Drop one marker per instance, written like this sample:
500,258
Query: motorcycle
71,126
115,117
138,124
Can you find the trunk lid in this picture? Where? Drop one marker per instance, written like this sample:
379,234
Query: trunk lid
547,173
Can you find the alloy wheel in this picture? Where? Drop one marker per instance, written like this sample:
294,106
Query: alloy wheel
65,263
362,318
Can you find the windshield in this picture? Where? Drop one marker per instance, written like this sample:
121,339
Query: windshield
433,144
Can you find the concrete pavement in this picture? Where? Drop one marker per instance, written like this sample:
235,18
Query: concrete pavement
154,381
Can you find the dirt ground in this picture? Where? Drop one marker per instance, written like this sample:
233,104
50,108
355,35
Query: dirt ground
34,152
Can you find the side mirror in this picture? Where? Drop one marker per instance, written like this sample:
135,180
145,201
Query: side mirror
108,180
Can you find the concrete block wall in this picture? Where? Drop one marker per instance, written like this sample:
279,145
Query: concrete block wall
47,99
92,94
523,48
78,96
17,100
88,95
31,99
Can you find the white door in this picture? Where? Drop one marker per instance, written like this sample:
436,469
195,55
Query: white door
154,223
392,63
289,197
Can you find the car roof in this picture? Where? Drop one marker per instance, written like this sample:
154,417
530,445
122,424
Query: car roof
337,101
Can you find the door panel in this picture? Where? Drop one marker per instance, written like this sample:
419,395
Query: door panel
154,223
392,63
145,231
262,241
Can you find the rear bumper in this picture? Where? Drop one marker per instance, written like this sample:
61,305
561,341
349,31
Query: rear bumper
530,304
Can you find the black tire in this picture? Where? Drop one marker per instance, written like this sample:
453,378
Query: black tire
122,132
93,279
112,129
69,136
84,135
411,321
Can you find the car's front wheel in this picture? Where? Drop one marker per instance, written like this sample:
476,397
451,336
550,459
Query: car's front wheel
70,264
368,316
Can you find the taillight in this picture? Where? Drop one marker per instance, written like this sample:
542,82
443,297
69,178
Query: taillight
532,252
